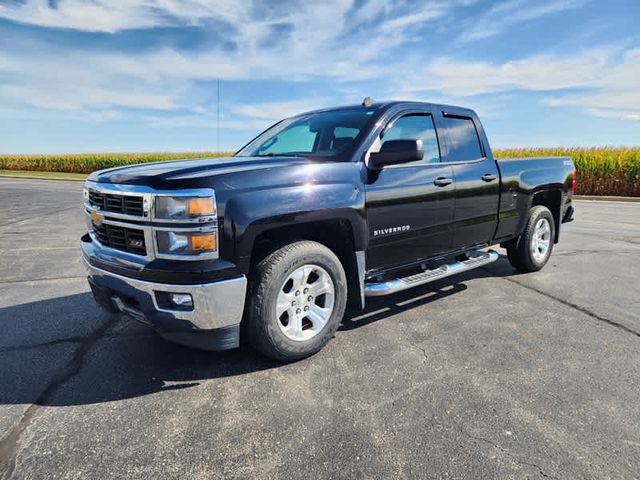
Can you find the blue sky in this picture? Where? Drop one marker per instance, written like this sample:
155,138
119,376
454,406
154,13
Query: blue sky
140,75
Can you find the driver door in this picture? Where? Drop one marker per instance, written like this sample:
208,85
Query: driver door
410,206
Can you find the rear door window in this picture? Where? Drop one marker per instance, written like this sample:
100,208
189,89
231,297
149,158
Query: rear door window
462,136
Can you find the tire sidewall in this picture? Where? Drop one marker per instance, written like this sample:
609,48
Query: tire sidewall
292,349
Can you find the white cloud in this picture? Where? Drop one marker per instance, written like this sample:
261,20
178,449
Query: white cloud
538,72
411,19
278,110
332,39
207,121
107,16
614,92
336,40
607,80
504,15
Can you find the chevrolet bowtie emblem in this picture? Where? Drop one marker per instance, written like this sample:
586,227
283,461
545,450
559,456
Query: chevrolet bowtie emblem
96,217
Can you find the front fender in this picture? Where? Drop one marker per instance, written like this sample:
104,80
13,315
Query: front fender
251,213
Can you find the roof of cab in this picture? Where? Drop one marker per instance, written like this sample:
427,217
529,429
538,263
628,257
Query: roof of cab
390,104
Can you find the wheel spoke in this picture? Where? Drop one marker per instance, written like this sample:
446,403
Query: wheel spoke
284,304
285,300
299,278
294,327
320,286
319,316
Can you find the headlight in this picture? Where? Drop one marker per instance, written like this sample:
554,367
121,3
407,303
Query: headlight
186,243
184,207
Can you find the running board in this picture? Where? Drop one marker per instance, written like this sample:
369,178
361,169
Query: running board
372,289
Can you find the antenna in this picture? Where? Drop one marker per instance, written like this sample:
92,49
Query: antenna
218,117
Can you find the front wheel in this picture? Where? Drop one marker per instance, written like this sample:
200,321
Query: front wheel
297,299
533,248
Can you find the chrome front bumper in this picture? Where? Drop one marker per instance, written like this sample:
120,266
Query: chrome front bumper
217,306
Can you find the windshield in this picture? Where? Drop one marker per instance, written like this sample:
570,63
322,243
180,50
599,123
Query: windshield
328,135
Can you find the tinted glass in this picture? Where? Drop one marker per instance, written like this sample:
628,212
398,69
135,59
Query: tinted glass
329,135
416,127
299,138
464,143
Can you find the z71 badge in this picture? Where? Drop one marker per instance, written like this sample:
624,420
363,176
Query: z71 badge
387,231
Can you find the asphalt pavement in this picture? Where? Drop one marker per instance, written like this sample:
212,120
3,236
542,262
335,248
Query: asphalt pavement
492,374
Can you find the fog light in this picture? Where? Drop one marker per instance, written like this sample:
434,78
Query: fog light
181,300
174,301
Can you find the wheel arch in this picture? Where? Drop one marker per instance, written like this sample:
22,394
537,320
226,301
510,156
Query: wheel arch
337,235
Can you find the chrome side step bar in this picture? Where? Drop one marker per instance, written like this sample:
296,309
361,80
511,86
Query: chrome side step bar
373,289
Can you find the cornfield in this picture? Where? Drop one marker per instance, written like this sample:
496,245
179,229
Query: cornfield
601,170
90,162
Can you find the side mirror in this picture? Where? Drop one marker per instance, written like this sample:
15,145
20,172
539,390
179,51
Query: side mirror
393,152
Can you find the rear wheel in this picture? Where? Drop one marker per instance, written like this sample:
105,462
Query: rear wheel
297,299
533,248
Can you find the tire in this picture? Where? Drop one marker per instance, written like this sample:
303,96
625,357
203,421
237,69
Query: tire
300,327
528,253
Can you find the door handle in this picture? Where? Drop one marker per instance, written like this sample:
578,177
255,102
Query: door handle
442,181
488,177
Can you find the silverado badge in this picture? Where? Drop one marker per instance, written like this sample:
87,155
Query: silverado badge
387,231
97,217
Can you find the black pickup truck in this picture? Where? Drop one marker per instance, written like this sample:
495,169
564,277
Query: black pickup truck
316,213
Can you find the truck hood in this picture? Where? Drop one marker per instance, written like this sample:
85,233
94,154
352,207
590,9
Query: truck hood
193,170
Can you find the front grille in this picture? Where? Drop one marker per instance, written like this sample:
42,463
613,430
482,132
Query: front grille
127,204
121,238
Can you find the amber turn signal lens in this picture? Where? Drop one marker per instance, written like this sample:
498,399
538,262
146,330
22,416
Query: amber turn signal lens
199,243
200,206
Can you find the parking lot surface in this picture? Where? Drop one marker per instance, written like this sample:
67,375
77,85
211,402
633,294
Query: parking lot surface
492,374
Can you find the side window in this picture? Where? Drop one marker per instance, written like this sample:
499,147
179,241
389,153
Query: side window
296,139
416,127
462,135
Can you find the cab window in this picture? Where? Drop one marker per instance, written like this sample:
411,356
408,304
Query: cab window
415,127
462,136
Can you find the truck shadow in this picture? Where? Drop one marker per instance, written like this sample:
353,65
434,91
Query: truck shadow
43,360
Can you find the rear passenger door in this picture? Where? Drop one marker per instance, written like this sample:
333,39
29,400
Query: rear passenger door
477,181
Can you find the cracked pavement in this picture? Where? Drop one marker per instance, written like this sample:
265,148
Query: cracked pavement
490,374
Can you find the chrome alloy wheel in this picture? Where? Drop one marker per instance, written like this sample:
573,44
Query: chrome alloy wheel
305,302
541,239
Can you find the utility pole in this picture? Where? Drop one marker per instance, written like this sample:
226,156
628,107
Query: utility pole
218,115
